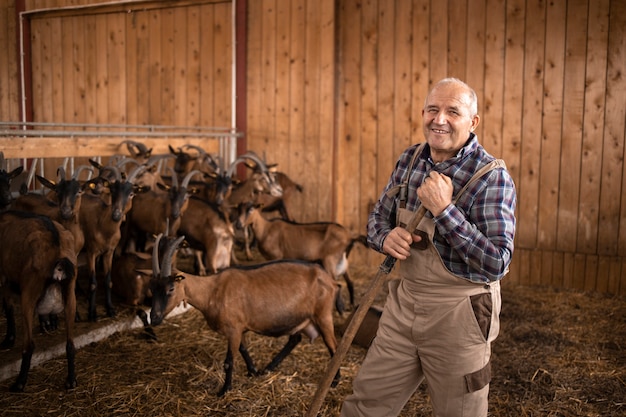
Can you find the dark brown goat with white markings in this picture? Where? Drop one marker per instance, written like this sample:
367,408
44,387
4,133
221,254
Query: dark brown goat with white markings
272,299
38,266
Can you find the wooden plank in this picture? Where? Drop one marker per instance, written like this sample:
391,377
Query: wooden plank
280,149
68,86
593,127
550,143
349,110
545,261
386,155
514,81
492,136
165,115
573,100
6,77
207,54
402,83
180,40
578,279
78,68
40,38
531,123
568,269
474,51
268,80
155,77
292,166
419,78
604,274
116,65
327,103
591,273
222,64
439,26
613,217
91,69
614,275
102,76
143,67
526,269
313,145
89,146
557,270
193,67
369,110
131,53
458,40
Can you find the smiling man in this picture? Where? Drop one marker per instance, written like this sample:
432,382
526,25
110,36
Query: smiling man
441,316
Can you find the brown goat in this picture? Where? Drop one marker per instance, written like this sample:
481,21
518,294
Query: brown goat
272,299
326,242
154,211
209,233
101,225
38,263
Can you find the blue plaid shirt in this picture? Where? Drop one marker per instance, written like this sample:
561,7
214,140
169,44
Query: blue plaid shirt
473,237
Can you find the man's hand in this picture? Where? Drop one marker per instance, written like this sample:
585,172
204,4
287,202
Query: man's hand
398,243
435,193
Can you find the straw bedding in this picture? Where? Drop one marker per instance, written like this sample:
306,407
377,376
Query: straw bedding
560,353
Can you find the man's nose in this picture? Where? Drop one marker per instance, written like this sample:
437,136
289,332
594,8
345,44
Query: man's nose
440,118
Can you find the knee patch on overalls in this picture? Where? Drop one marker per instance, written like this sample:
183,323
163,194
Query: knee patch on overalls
477,380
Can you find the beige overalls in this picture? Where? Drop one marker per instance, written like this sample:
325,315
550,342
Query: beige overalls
437,326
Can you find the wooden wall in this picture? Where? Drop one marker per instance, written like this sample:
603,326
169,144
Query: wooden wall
335,90
552,95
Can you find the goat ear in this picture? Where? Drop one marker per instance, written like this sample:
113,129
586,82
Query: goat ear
46,182
144,271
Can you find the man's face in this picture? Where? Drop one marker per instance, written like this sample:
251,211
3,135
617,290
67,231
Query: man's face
448,120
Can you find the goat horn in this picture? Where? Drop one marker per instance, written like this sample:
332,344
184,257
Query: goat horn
188,178
156,158
197,148
80,169
138,170
61,173
255,158
174,177
115,170
166,266
140,146
156,271
125,161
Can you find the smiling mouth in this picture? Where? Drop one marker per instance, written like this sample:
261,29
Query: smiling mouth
439,131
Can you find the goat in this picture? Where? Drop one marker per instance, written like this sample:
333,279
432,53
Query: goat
101,225
61,204
209,233
38,263
281,203
272,299
261,181
5,183
128,276
152,211
329,243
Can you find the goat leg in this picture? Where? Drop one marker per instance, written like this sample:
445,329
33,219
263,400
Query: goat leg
93,286
293,341
252,371
9,313
228,369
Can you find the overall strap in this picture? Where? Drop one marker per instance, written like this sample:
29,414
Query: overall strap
496,163
401,189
